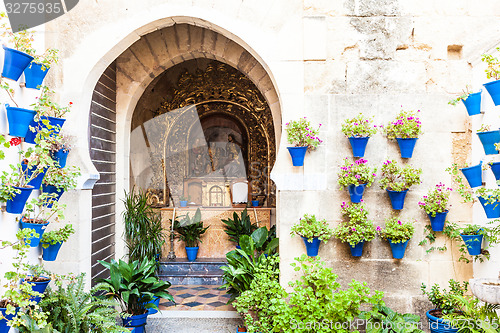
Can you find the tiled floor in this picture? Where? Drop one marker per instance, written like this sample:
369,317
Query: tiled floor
197,297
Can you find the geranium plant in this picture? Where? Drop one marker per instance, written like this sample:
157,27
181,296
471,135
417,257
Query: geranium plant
64,178
396,231
359,127
38,211
407,125
310,227
57,236
399,178
60,142
357,228
463,96
301,134
493,69
436,200
356,173
484,128
46,107
444,301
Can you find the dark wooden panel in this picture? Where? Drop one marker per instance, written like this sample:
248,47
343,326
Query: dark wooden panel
102,156
104,210
100,143
101,200
103,122
103,235
105,167
108,82
102,255
102,100
105,187
103,111
99,222
107,92
100,134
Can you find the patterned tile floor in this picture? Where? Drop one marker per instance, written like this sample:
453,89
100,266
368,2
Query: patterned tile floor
197,297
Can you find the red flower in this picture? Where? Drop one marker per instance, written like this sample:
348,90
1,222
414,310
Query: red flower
70,103
15,141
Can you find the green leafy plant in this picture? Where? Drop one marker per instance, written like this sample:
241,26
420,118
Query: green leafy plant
359,127
134,285
463,96
144,234
445,301
59,142
396,231
183,198
357,228
436,200
484,128
239,226
473,316
301,134
21,40
46,107
62,178
382,319
190,230
57,236
463,189
310,227
3,144
38,211
493,69
356,173
399,178
406,125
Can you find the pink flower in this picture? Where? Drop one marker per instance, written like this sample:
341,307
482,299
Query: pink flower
399,222
353,229
379,228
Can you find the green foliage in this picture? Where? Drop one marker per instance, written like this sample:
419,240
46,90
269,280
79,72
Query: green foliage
64,178
133,285
190,230
38,211
144,234
399,178
396,231
357,228
310,227
46,107
436,200
406,125
445,300
60,141
301,134
57,236
382,319
21,41
464,190
3,144
71,309
484,128
359,127
463,96
238,226
493,69
474,316
356,173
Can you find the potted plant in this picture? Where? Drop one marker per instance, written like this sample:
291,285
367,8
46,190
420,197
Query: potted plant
144,234
49,117
472,236
473,174
488,139
312,231
396,180
36,71
183,201
493,72
398,234
406,129
472,101
134,285
189,230
490,200
59,147
57,181
356,177
359,130
303,138
239,226
52,241
255,202
39,280
37,215
435,204
357,229
445,302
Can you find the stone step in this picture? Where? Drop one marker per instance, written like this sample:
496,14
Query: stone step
202,271
193,322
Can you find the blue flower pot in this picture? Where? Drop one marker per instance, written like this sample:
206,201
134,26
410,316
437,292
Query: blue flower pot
397,198
39,287
488,139
494,91
50,253
357,250
192,252
312,248
34,75
183,203
37,181
55,123
297,154
492,210
19,120
38,228
14,63
473,104
358,146
60,157
398,249
495,167
52,189
16,204
255,203
438,325
406,146
138,321
474,175
4,327
437,222
473,243
356,192
156,301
